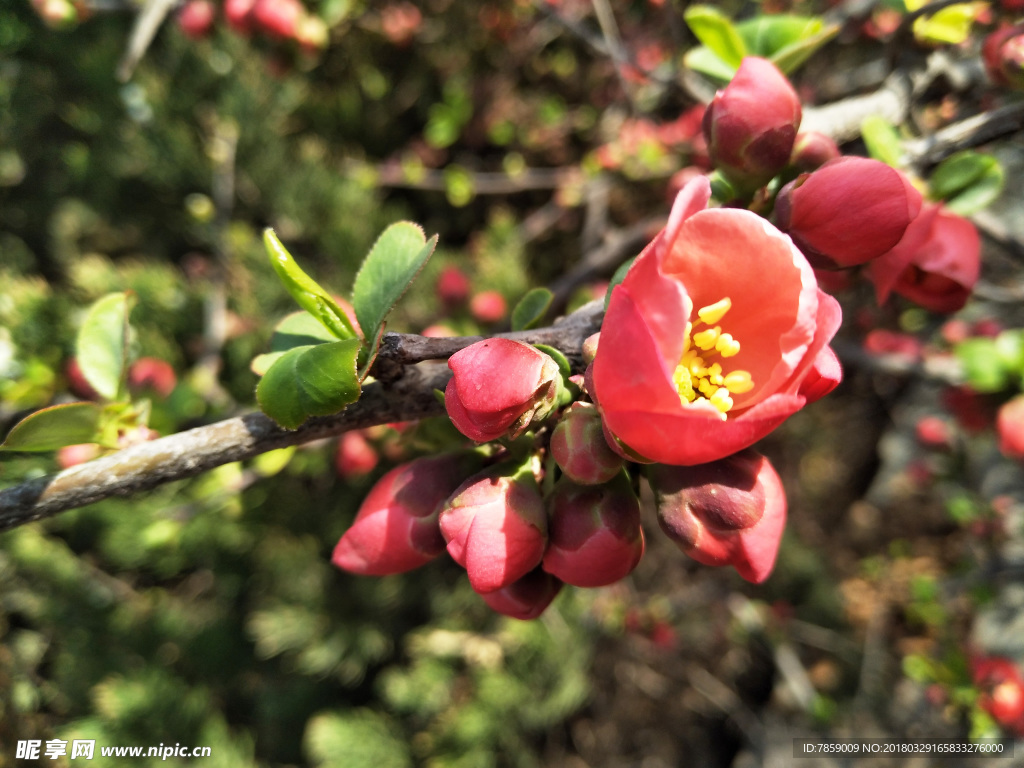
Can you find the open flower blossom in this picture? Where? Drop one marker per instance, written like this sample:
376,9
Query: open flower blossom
935,265
713,338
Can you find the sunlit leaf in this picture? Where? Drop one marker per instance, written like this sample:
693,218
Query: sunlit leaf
102,345
299,329
55,427
531,309
882,140
717,33
967,181
310,381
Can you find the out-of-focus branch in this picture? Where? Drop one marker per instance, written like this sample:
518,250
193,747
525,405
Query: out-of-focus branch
971,132
841,120
409,396
146,25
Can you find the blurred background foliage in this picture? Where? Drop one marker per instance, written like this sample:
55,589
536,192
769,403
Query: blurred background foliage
206,612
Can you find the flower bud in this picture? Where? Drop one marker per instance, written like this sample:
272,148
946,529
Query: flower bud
1003,56
488,307
238,14
1001,688
453,286
279,18
594,532
812,150
525,598
495,526
751,124
499,387
580,449
1010,427
730,511
196,18
396,528
847,212
356,456
153,374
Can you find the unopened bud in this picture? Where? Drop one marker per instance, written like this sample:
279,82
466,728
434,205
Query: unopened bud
580,449
812,150
728,512
525,598
595,537
1003,56
1010,427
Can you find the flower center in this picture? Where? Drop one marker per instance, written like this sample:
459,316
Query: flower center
699,375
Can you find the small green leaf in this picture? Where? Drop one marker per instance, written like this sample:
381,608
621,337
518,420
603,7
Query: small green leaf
882,140
54,427
790,58
299,329
306,291
765,36
950,25
392,264
531,309
702,59
967,181
102,345
618,277
561,360
310,381
981,363
1009,348
717,32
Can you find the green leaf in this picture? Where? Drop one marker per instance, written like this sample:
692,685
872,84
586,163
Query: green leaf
967,181
618,277
54,427
560,359
102,345
354,737
531,309
790,58
1009,349
765,36
310,381
982,365
306,291
702,59
950,25
882,140
299,329
717,32
388,270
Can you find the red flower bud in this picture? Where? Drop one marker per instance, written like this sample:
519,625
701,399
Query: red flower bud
812,150
935,265
730,511
526,598
1003,56
751,124
1010,427
580,449
279,18
849,211
453,287
356,456
154,374
1001,688
73,455
594,532
495,527
488,307
499,386
196,18
396,528
238,14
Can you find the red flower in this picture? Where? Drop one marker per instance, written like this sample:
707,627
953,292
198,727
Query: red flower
1002,691
1003,56
709,342
849,211
935,265
751,124
496,527
499,386
1010,427
396,528
729,512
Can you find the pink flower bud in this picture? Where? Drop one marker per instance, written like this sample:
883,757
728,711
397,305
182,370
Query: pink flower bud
1003,56
453,287
526,598
279,18
934,432
151,373
847,212
356,456
594,532
495,527
488,307
751,124
812,150
580,449
73,455
1010,427
238,14
935,265
731,511
499,387
196,18
396,528
1001,689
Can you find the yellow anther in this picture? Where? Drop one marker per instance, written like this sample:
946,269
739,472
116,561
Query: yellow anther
706,388
726,345
706,340
721,400
681,378
739,382
712,313
686,337
714,373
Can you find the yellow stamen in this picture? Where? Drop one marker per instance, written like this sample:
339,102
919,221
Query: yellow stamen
712,313
699,375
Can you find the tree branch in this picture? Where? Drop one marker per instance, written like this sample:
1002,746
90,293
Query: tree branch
408,394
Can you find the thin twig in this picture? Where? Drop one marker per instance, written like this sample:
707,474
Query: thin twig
972,132
186,454
146,25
